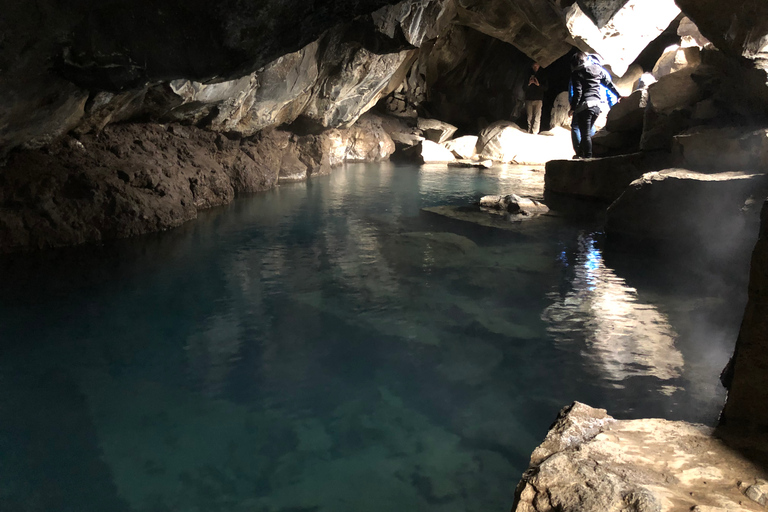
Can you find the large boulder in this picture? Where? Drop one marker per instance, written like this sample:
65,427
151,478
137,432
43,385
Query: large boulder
675,90
747,378
462,147
603,179
435,130
591,462
132,179
53,55
712,149
536,28
504,141
738,27
625,36
676,58
628,114
688,209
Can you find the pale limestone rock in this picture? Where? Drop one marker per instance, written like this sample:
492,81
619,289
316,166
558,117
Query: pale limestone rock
675,91
432,152
593,463
513,203
758,492
535,28
462,147
435,130
504,141
690,35
627,34
676,58
560,110
417,21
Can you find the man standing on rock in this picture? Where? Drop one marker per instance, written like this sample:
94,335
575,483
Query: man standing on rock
586,77
534,97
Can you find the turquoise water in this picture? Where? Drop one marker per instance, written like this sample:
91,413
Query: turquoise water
328,346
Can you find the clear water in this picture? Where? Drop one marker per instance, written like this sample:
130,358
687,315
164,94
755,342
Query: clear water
329,347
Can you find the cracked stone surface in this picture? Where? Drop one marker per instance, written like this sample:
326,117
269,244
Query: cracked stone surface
591,462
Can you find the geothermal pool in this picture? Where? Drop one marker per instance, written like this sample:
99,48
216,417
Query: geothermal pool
328,346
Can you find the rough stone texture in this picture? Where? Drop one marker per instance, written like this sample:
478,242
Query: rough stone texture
513,203
690,35
689,209
628,114
710,149
676,58
133,179
627,33
560,109
435,130
606,143
739,27
534,27
601,11
747,404
53,53
674,91
590,462
603,179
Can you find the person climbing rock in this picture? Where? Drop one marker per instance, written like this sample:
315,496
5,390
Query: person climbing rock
534,97
587,76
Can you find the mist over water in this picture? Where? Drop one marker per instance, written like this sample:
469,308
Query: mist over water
329,347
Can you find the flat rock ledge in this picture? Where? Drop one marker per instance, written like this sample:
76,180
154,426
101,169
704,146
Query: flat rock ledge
591,462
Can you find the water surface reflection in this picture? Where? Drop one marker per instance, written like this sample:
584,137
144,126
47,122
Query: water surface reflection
620,335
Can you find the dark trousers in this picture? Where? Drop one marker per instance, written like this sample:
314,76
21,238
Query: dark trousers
585,121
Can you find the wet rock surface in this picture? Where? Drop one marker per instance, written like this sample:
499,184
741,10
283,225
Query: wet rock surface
590,462
133,179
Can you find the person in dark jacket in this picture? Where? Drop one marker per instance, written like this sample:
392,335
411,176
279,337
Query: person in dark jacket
586,77
534,97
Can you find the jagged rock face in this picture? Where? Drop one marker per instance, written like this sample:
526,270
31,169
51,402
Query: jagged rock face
53,53
739,27
535,27
626,35
134,178
590,462
747,404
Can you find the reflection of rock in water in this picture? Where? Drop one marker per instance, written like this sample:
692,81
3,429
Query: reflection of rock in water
624,338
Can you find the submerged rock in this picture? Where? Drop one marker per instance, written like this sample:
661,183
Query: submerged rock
513,203
590,462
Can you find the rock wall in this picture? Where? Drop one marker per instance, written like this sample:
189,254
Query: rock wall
138,178
747,375
590,462
739,27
